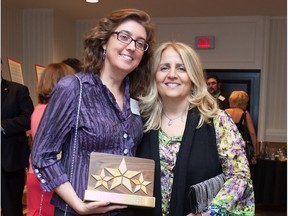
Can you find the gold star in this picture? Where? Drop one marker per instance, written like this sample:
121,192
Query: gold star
122,176
102,179
140,184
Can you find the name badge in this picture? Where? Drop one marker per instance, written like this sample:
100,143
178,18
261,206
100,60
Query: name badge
221,98
134,106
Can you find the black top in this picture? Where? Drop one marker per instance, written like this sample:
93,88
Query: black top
241,125
197,160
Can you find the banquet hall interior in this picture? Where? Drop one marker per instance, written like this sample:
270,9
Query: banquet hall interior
247,50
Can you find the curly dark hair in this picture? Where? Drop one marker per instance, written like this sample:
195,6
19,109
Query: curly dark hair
99,35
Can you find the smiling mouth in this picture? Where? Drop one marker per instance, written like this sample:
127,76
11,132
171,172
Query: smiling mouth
172,84
127,57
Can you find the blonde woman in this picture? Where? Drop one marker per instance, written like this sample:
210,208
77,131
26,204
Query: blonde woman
190,138
238,101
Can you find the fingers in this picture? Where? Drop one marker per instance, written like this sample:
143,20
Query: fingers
102,207
115,207
98,204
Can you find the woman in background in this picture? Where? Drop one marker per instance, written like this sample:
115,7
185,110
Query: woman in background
35,196
238,101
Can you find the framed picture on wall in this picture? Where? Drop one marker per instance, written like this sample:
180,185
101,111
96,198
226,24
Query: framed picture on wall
39,70
15,70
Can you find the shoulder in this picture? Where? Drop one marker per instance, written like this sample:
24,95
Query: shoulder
15,85
248,115
228,110
38,110
71,81
17,91
222,119
40,107
69,87
221,114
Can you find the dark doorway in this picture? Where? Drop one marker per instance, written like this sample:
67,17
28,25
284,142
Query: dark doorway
246,80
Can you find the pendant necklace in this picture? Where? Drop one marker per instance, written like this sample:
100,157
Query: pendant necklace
170,120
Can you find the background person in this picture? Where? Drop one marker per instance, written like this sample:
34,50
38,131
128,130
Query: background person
16,110
238,101
214,88
190,138
115,63
50,76
74,63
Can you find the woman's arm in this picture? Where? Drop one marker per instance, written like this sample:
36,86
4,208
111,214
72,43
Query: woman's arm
236,196
252,131
55,125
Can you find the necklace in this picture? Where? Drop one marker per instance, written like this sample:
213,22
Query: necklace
171,119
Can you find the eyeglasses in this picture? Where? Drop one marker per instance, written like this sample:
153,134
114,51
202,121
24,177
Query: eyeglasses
127,39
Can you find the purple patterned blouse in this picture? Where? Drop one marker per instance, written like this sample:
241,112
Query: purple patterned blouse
103,127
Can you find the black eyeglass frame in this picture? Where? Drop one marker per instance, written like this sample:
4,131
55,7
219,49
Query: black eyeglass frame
145,47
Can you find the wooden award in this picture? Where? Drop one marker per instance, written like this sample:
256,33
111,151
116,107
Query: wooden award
120,180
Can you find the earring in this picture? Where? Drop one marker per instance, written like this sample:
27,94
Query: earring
104,54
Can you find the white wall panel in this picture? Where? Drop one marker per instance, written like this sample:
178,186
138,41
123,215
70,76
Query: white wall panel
82,28
238,40
37,43
276,117
11,38
64,38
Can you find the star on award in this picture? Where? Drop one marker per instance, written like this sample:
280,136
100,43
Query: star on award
141,184
102,179
122,176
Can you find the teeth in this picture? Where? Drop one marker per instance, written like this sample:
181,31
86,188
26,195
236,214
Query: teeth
127,57
172,84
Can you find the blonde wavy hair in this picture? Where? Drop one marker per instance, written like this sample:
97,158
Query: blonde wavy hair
151,106
238,99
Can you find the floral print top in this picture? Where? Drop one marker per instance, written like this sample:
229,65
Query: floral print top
169,147
236,196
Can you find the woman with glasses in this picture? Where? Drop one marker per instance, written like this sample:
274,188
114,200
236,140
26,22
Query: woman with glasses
115,73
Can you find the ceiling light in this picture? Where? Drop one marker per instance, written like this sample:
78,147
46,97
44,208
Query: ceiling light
92,1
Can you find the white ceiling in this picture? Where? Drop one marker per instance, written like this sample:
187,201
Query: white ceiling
79,9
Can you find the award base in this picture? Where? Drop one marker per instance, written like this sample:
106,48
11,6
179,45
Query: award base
117,198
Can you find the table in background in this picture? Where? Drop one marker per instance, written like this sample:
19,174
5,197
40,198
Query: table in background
270,182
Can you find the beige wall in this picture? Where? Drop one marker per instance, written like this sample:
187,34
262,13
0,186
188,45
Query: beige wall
41,36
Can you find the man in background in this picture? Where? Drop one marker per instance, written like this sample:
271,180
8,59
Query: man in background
214,88
16,110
